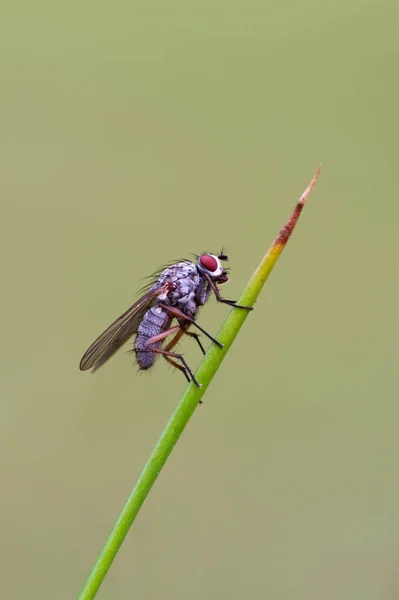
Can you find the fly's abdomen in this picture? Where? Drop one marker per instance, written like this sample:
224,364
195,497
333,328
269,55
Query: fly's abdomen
154,322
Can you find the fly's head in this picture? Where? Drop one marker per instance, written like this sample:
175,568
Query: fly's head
211,265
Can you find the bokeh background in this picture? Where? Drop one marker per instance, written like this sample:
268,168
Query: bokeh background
135,133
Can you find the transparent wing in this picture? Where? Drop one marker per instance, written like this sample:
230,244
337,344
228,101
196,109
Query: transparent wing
119,331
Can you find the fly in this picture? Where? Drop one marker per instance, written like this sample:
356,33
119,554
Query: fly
175,294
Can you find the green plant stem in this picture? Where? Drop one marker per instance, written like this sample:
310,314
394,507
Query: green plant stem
188,404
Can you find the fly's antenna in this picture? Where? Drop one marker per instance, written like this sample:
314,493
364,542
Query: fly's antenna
222,255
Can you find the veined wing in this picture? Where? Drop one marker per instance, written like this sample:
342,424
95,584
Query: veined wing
119,331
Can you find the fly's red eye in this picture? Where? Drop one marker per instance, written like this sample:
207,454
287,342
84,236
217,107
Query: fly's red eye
208,262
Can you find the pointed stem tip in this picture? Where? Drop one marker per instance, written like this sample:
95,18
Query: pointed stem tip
288,228
310,187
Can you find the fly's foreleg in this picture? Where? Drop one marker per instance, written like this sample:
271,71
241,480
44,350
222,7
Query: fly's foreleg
169,356
175,312
219,298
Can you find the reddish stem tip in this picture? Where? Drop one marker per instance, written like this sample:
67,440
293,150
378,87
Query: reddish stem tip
288,228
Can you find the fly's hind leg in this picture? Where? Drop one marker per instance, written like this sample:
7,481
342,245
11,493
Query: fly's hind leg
197,339
177,366
173,343
183,367
169,356
183,318
179,334
184,370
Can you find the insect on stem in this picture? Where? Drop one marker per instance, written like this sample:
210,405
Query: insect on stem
176,293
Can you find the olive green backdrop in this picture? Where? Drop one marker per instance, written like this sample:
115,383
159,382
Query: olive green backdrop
135,133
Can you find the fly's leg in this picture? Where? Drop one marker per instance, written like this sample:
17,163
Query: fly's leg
183,367
173,343
175,312
219,298
177,366
179,334
197,339
171,355
175,339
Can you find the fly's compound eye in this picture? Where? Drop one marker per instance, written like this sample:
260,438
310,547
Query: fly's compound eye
208,263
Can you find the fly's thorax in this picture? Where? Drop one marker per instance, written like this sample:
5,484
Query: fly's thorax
185,281
175,272
185,293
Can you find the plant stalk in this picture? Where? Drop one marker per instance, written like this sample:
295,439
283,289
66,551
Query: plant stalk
189,402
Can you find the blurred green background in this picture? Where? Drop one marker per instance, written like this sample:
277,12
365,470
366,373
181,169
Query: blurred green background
135,133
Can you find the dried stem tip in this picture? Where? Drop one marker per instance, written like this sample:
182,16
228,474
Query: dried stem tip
288,228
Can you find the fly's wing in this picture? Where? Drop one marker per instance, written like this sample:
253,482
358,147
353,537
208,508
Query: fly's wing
119,331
